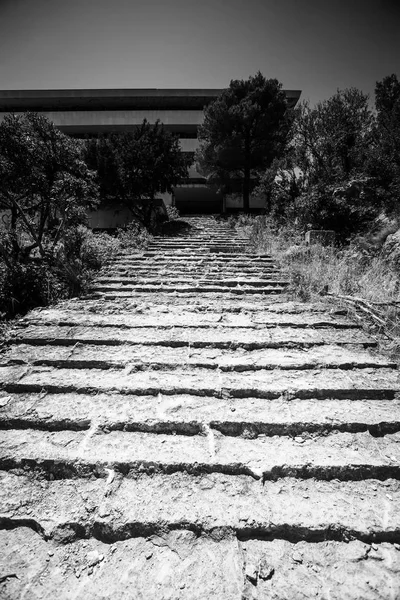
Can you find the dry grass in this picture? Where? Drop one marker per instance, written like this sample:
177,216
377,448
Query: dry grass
317,272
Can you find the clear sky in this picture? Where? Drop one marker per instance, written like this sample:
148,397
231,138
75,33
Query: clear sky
313,45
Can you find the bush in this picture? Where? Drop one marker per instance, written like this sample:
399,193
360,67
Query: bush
67,272
98,249
25,286
133,236
173,213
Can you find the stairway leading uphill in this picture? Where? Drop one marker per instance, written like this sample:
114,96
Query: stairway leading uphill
190,433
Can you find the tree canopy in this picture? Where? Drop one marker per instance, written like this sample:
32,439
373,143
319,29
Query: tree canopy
243,131
341,168
133,167
332,139
384,160
45,184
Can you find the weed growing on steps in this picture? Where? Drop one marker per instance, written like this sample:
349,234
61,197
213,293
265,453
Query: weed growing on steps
133,237
316,271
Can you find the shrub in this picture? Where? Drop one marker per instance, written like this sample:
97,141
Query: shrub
67,272
133,236
173,213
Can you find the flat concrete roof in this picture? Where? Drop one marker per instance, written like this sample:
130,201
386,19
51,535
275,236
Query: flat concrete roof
108,99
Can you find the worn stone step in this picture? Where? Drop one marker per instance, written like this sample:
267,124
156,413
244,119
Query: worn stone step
65,454
198,281
197,244
195,257
167,303
181,564
193,337
190,415
180,258
298,510
162,357
70,318
157,271
199,289
315,383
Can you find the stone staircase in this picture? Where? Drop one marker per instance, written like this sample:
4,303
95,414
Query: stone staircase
190,433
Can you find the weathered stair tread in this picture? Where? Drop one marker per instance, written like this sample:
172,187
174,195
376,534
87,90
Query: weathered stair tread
123,508
206,288
180,564
219,337
326,570
173,565
189,318
158,270
316,383
168,303
199,254
345,456
214,280
143,357
187,414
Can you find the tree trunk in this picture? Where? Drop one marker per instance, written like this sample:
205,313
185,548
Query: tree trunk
246,175
246,190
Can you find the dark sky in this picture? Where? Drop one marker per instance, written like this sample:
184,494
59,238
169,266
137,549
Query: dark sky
313,45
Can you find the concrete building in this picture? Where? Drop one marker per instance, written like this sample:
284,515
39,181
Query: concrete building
94,112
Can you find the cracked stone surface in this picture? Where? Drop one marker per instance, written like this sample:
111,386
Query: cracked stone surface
188,432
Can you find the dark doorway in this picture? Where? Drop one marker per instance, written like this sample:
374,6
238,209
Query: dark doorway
197,200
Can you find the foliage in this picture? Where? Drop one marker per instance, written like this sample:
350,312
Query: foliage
384,159
332,139
314,271
173,213
243,131
26,285
133,236
45,185
133,167
37,282
46,253
341,167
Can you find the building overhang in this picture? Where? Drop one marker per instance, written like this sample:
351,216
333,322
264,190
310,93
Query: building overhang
114,99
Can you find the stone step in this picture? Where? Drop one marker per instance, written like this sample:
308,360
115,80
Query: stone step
196,242
164,357
183,565
314,383
149,269
190,415
182,255
199,289
198,281
303,510
193,337
155,304
70,318
177,258
66,454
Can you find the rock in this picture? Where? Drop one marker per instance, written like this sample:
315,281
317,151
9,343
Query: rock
4,400
251,573
358,551
297,557
265,570
94,557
